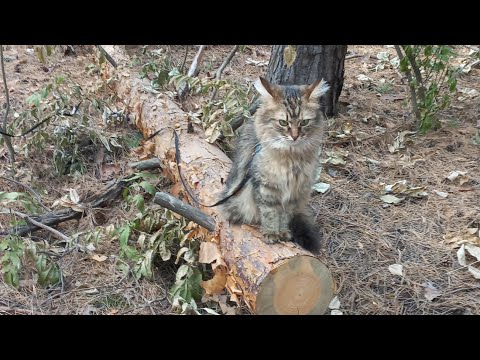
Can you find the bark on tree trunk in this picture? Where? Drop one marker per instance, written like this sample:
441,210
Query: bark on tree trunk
312,62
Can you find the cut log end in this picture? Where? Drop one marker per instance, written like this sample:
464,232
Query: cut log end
303,285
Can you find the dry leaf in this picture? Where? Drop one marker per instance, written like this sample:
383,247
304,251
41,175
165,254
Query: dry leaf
431,292
396,269
441,193
460,175
461,255
347,128
406,161
416,192
90,247
74,196
397,188
226,309
363,78
466,236
289,55
208,253
216,284
474,271
334,304
99,258
321,187
234,298
473,250
391,199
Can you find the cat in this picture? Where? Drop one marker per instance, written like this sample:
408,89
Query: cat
277,153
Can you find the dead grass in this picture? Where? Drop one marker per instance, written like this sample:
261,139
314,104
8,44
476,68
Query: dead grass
362,235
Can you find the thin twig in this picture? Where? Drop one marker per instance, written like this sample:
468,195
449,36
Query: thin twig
410,84
418,75
8,141
222,67
351,56
38,198
184,59
36,223
192,71
194,67
107,56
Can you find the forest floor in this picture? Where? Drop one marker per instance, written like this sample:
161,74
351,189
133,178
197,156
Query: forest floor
385,258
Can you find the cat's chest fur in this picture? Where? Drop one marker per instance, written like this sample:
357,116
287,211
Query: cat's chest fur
290,173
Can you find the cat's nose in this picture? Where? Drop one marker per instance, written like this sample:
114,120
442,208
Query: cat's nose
294,133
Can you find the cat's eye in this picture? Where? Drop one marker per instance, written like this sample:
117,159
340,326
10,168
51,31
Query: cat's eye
283,122
304,122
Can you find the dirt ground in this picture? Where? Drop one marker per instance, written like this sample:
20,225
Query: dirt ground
367,242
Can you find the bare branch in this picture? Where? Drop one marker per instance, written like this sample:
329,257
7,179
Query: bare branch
107,56
194,67
184,59
187,211
57,233
193,71
150,164
418,76
8,141
222,67
410,84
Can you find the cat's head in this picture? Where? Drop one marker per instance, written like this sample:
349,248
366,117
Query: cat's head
289,115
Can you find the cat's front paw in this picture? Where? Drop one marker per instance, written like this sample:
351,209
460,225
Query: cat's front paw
272,238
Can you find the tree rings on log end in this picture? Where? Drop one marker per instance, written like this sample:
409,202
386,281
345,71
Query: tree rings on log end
303,285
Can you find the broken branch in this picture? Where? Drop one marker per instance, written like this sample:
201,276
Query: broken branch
187,211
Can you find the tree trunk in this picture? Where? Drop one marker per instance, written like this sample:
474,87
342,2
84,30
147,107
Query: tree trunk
312,62
271,279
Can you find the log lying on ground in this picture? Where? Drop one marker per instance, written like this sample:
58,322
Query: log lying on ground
271,279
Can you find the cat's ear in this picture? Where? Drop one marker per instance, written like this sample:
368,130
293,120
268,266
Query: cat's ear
316,90
265,88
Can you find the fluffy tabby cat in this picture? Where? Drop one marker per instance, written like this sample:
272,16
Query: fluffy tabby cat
277,152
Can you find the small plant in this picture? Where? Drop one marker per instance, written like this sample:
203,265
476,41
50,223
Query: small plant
384,86
12,249
431,79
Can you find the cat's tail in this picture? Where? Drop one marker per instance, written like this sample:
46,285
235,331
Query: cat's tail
305,233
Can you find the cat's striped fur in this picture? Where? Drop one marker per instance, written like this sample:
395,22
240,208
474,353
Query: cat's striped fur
278,150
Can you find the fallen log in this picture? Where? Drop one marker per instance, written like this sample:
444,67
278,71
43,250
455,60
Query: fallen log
271,279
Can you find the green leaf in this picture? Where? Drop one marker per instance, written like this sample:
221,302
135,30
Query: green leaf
194,281
189,256
10,196
289,55
404,64
34,100
124,235
182,272
164,252
12,278
149,188
139,202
